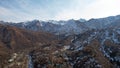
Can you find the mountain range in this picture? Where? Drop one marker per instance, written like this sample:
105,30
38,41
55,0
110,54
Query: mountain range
93,43
65,27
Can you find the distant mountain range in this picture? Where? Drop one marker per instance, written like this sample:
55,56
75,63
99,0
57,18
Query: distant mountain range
70,26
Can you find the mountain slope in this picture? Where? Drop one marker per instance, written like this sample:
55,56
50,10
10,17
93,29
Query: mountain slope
91,49
19,41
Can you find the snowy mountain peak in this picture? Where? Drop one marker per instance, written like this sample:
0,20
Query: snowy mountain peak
82,20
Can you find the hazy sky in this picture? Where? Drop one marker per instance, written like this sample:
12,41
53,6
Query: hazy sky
23,10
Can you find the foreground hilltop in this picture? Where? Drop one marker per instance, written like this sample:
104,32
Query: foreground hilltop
15,40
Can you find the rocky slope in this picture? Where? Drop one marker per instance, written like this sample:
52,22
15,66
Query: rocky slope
91,49
16,43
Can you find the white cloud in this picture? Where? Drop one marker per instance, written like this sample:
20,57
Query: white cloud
18,16
76,9
97,9
102,8
66,14
11,15
4,11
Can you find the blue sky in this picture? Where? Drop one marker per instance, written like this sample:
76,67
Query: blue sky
24,10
